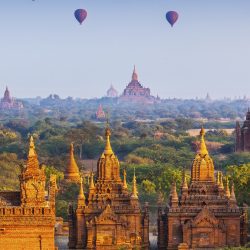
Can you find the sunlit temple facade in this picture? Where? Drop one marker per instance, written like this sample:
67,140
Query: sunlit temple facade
242,143
205,215
108,216
27,217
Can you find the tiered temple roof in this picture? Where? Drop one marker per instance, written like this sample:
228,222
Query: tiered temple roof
205,214
110,216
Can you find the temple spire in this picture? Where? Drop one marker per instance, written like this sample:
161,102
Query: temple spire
227,190
174,196
203,148
32,151
134,188
108,149
125,186
232,197
72,170
134,75
81,196
92,185
221,181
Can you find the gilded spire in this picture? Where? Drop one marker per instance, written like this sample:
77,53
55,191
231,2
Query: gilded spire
125,186
203,166
81,196
108,149
227,190
32,151
72,170
184,181
134,188
203,148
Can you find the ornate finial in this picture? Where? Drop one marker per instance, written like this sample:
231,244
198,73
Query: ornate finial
32,151
227,190
81,193
203,149
134,188
125,186
92,185
108,150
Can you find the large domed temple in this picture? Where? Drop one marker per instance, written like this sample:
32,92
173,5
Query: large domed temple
108,216
206,214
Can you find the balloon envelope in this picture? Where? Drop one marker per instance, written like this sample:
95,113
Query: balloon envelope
80,15
172,17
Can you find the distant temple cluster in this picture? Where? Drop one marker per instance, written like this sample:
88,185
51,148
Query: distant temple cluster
205,215
242,143
27,217
9,103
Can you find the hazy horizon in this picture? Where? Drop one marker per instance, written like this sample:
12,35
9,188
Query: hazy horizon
44,50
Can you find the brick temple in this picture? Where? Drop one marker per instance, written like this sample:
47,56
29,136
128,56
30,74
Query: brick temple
108,216
136,93
205,215
9,103
27,217
242,142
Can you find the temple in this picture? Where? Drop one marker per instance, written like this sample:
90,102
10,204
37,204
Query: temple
100,114
205,215
71,173
9,103
108,216
112,92
135,92
242,142
27,217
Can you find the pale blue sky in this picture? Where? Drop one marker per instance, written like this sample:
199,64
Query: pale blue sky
44,50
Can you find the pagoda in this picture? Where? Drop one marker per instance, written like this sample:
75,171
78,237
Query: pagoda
71,173
136,93
9,103
100,114
108,216
112,92
243,135
205,215
27,217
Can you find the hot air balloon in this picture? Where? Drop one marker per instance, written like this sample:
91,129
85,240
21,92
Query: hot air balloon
172,17
80,15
